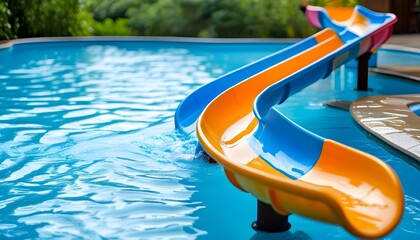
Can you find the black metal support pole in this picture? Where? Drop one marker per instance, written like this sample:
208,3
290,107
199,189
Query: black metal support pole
269,220
362,71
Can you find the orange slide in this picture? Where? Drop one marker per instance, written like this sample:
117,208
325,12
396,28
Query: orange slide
293,170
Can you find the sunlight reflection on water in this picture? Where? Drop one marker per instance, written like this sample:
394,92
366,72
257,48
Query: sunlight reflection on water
89,151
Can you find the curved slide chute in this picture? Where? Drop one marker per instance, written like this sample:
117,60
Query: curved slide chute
282,164
191,107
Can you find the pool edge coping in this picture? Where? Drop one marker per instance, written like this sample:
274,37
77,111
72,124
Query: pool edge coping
10,43
387,130
400,48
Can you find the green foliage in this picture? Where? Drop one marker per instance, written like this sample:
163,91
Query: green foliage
38,18
5,26
350,3
103,9
162,17
109,27
219,18
196,18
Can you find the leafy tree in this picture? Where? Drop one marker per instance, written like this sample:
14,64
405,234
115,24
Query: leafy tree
103,9
209,18
219,18
162,17
38,18
5,27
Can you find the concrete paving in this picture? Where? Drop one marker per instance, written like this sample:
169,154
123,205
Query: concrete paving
411,41
407,40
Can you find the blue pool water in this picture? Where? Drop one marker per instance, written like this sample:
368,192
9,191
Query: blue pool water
88,148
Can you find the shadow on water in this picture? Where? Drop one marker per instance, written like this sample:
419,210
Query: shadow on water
297,235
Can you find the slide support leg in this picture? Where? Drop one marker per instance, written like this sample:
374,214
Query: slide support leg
269,220
362,71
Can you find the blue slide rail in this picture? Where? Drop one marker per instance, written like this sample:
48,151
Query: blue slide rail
191,107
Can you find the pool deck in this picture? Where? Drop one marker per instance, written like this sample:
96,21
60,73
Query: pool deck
406,40
382,115
409,42
390,119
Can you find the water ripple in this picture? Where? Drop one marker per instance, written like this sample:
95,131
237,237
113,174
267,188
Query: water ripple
88,149
73,164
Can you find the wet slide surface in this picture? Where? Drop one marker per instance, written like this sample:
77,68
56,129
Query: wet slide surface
265,153
189,110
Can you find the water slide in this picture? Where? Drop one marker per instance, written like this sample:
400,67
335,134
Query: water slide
193,105
282,164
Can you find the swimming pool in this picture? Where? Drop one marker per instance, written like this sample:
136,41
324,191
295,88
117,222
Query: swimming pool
89,151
